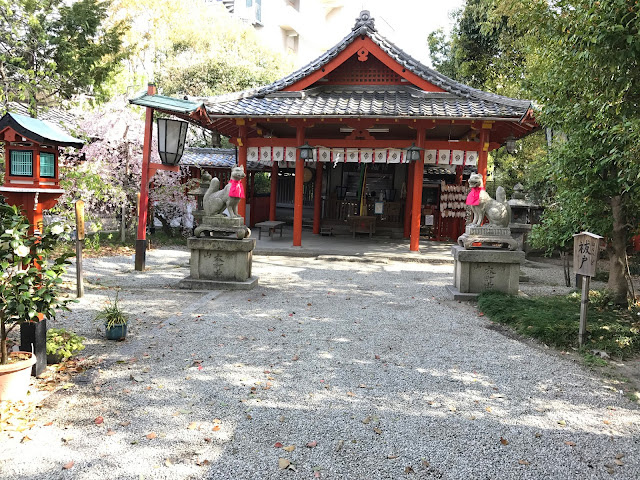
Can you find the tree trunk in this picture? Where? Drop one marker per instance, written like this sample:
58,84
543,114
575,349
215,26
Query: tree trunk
3,342
617,280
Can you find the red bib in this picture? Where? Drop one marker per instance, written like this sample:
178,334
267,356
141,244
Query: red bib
236,190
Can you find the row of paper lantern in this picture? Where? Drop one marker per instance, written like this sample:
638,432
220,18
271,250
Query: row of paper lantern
269,155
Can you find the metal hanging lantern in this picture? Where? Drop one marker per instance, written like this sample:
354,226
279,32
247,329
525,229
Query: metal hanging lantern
510,144
306,151
413,153
171,140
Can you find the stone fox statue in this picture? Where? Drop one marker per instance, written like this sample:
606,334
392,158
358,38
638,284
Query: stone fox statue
216,200
497,211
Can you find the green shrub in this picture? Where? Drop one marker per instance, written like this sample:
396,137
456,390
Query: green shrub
63,343
555,320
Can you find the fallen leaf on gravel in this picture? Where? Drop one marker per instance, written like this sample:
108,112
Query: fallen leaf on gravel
151,435
290,448
98,420
504,441
408,470
27,439
283,463
278,445
312,444
571,444
68,466
193,425
523,462
216,428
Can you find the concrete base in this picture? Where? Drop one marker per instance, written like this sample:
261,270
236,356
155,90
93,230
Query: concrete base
222,260
202,284
455,294
476,270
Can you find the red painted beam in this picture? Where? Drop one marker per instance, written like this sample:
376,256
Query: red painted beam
416,207
299,185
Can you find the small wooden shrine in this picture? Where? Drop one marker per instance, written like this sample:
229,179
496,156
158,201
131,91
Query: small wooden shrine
32,176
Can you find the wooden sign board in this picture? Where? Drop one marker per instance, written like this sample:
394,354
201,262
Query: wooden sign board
80,219
586,247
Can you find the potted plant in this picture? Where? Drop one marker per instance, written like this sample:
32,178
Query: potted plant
62,344
30,289
115,320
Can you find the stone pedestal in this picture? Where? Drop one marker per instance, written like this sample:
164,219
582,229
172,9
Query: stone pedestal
220,263
476,271
487,236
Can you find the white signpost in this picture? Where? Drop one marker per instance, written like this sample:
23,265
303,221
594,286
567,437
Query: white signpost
586,247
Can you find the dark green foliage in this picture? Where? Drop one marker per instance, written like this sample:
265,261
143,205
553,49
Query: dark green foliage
555,320
50,50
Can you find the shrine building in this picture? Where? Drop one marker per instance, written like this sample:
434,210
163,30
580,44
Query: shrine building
364,137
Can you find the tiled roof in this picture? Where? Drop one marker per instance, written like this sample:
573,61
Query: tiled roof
167,104
458,99
57,116
214,158
39,130
363,100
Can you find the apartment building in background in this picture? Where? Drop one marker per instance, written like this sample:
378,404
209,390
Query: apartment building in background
303,29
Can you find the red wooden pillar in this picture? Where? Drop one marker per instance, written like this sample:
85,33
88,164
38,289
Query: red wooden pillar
484,154
459,170
299,185
408,202
141,239
242,162
274,191
416,206
252,195
317,199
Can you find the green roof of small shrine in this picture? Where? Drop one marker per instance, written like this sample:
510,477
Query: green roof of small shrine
39,130
167,104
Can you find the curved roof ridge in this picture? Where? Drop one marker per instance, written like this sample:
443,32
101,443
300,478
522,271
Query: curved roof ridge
365,26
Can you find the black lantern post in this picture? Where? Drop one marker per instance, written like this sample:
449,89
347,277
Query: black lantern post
171,139
306,151
413,153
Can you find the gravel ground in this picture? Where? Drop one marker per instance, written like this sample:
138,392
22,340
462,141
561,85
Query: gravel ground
366,360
